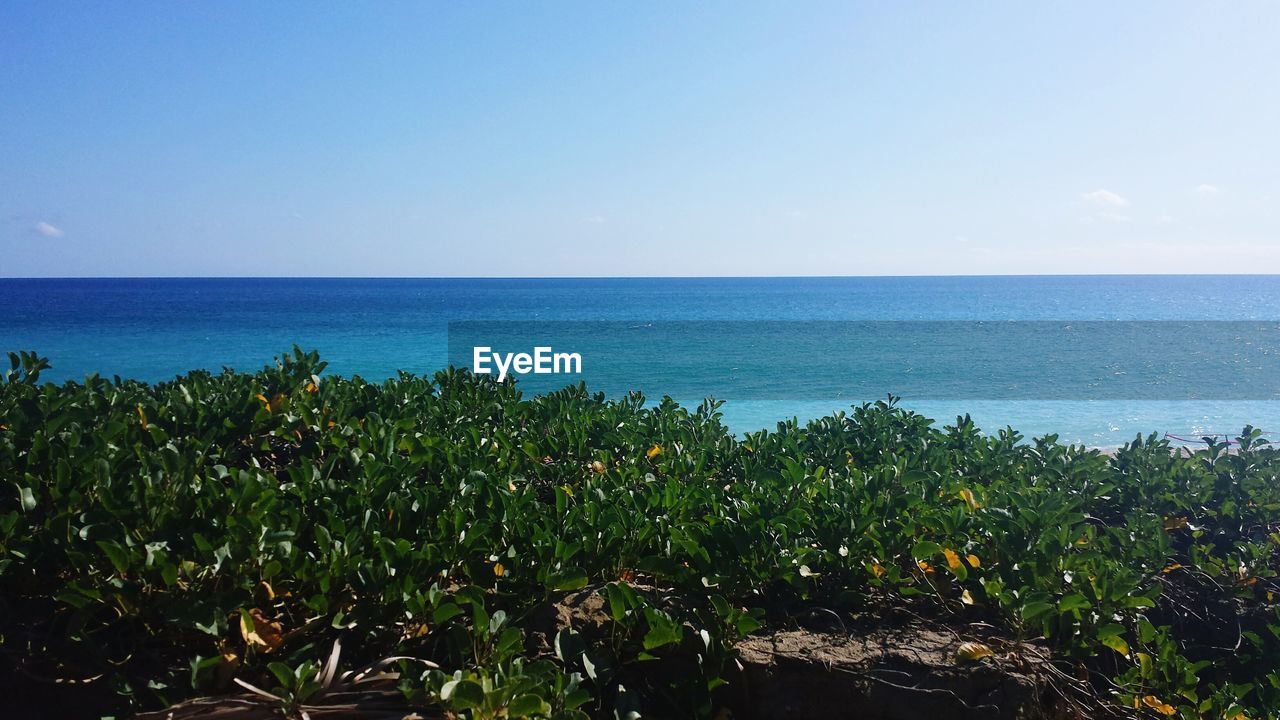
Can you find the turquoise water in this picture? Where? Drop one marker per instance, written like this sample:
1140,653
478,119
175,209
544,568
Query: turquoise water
152,329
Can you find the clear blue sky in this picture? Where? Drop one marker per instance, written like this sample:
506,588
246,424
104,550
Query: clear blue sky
517,138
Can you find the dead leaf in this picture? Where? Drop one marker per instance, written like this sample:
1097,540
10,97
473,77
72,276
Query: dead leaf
953,560
258,631
1158,705
973,652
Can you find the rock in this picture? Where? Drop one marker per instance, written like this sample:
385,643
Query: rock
887,673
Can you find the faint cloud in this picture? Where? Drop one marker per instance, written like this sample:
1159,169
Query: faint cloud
47,230
593,219
1103,198
1106,206
1207,190
1166,219
797,215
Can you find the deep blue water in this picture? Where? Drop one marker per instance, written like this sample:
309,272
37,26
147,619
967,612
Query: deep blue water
153,329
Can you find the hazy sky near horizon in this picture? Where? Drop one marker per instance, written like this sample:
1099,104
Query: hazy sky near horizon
709,138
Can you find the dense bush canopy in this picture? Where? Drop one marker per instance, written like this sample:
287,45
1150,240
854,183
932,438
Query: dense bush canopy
158,541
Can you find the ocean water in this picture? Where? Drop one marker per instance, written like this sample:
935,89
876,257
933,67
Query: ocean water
153,329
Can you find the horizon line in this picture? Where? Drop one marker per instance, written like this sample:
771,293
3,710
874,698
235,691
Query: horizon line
622,277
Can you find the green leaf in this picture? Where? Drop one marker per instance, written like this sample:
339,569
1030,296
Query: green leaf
568,579
118,555
445,613
283,673
1033,610
462,694
1110,635
1146,631
662,630
1075,601
28,499
926,549
527,705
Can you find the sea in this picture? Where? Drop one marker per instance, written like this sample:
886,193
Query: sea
154,329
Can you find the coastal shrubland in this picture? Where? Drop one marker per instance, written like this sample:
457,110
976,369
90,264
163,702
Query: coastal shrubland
451,545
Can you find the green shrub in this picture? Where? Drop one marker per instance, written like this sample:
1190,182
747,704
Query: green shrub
157,540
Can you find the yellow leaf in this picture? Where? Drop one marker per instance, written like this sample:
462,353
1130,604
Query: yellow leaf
1171,568
654,452
967,495
973,560
142,415
966,598
271,593
972,652
258,631
597,467
265,402
228,663
311,387
953,560
1117,643
1159,706
877,570
499,570
925,566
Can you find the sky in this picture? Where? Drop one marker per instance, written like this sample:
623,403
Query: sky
609,139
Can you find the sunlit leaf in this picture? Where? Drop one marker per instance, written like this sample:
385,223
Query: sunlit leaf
258,631
973,652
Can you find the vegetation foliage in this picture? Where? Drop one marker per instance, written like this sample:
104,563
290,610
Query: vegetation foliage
159,541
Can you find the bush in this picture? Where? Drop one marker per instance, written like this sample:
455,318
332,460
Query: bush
157,541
